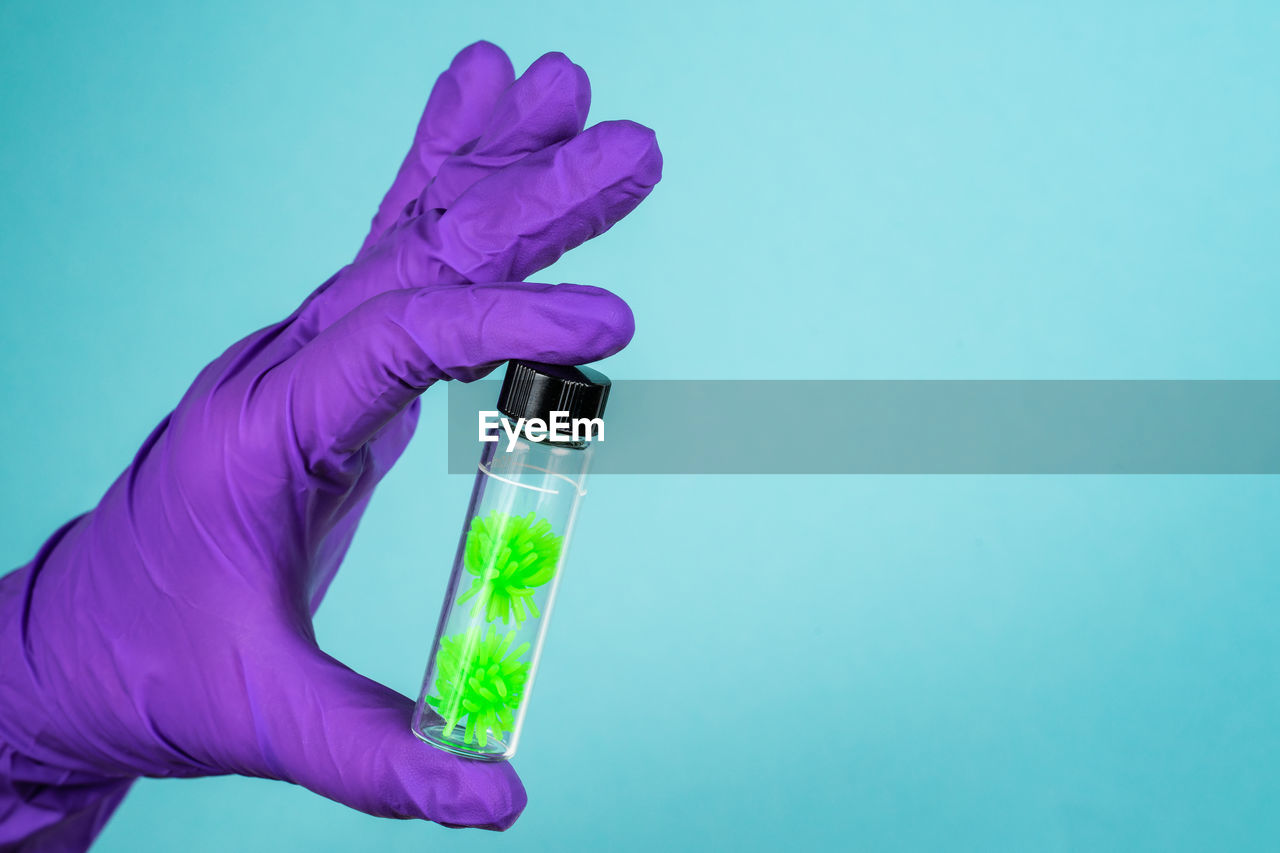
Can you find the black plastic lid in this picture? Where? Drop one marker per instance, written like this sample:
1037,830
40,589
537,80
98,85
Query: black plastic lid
535,390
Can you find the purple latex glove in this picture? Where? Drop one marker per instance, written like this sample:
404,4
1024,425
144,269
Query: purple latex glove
169,631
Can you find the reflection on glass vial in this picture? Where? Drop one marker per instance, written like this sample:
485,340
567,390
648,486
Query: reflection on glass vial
507,568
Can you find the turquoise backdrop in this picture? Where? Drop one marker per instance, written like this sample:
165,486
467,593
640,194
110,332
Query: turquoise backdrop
852,190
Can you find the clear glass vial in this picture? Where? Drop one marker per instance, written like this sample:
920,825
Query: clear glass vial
509,561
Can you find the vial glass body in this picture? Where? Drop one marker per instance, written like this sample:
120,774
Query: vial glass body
501,591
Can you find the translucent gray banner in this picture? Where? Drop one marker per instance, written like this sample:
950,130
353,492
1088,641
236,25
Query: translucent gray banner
918,427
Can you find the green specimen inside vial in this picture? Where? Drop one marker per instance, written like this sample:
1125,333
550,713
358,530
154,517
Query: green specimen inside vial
509,556
482,679
480,676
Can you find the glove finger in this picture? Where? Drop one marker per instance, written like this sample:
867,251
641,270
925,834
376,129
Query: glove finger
512,223
344,386
456,113
546,105
522,219
347,738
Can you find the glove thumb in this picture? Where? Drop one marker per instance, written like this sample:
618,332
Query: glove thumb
347,738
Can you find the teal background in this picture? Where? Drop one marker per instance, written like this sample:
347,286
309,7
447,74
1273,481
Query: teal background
977,190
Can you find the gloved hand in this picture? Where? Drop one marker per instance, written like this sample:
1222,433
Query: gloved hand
169,631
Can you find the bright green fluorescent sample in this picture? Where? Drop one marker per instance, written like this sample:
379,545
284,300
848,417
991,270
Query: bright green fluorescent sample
482,679
509,556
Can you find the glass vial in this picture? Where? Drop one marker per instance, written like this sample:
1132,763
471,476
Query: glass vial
510,556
